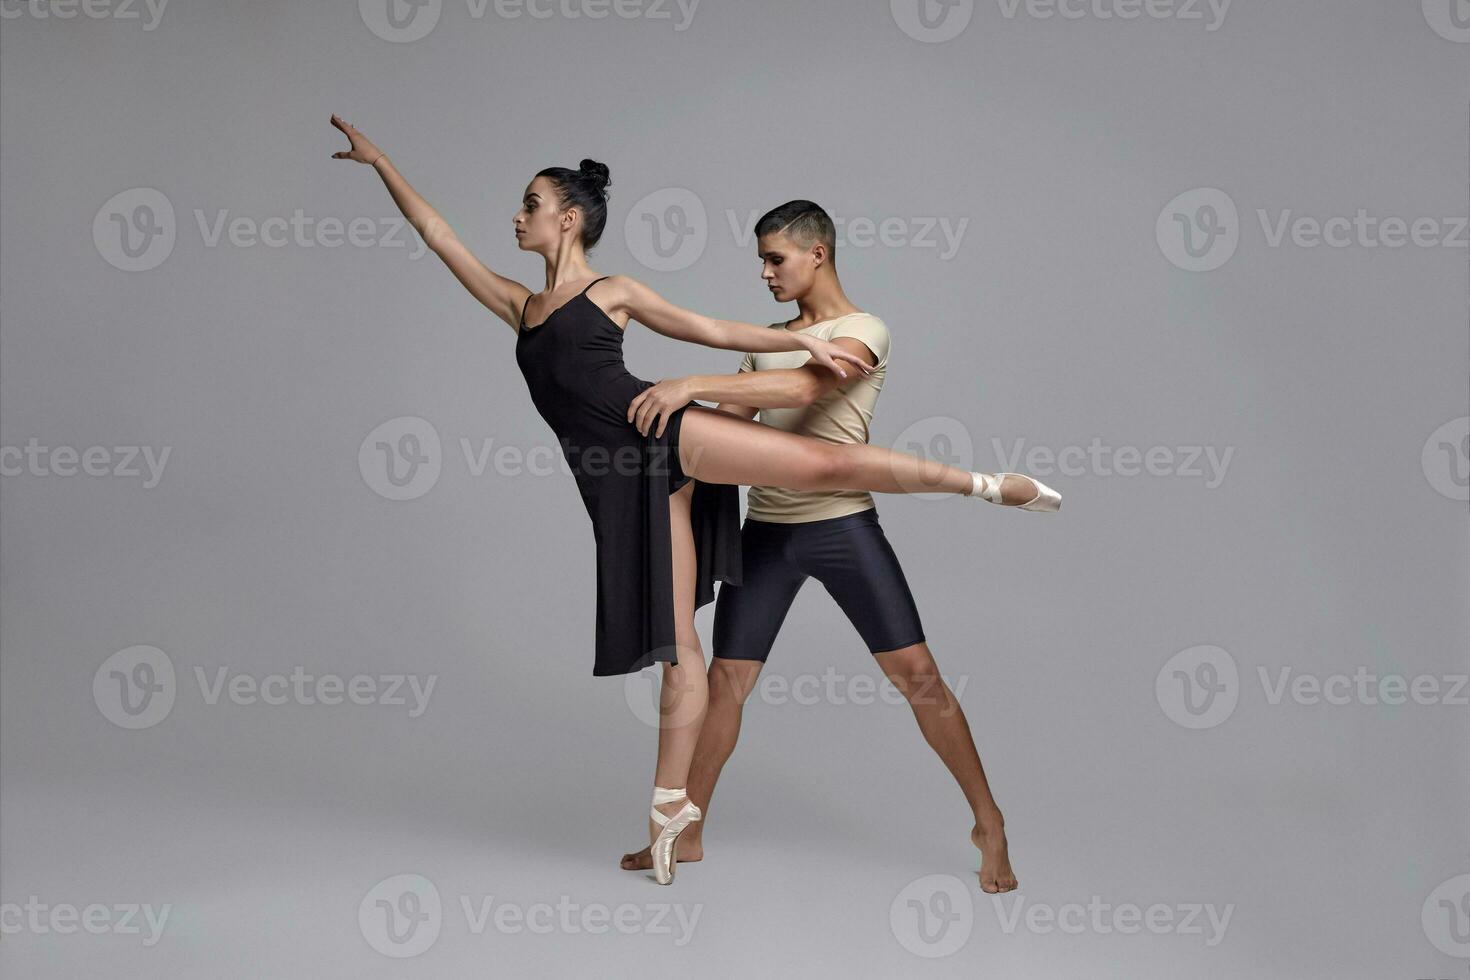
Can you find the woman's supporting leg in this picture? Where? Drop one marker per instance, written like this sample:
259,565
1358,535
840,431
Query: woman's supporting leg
685,693
718,447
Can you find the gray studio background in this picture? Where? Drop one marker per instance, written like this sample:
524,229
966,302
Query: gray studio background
1330,383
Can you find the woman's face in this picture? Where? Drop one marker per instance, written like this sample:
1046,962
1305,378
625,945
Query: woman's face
538,224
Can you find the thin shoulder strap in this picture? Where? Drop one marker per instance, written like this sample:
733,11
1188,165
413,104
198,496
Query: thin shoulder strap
595,282
523,309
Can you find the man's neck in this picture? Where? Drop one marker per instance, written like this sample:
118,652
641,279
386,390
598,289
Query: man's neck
824,302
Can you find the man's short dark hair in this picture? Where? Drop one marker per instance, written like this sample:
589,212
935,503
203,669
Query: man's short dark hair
803,222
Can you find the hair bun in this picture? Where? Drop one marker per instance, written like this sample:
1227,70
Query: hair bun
597,173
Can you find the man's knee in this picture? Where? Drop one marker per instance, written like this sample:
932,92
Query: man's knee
732,680
913,671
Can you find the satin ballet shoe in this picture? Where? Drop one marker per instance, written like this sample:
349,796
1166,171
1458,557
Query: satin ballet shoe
662,848
987,487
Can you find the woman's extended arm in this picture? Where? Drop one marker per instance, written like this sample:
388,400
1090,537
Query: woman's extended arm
503,297
658,314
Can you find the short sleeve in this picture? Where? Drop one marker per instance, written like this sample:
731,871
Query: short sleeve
870,330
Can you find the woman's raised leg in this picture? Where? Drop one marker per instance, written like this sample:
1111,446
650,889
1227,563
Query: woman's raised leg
718,447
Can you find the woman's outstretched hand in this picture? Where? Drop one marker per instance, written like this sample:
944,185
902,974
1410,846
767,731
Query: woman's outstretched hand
827,354
363,150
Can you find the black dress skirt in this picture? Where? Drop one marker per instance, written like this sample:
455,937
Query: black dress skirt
573,366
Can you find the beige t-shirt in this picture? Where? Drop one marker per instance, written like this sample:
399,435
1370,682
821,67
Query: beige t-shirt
842,415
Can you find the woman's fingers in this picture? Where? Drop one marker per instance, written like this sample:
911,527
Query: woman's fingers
828,362
345,128
850,357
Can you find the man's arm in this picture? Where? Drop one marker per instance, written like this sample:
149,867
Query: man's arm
783,388
748,390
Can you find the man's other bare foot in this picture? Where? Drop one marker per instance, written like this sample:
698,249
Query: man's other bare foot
687,850
995,860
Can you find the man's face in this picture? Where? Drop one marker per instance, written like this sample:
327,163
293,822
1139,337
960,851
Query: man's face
788,267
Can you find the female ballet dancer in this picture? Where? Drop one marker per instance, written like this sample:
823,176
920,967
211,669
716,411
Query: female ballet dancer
664,506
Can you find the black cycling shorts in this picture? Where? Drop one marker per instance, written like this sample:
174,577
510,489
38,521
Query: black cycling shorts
849,555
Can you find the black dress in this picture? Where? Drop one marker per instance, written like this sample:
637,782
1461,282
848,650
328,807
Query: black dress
573,365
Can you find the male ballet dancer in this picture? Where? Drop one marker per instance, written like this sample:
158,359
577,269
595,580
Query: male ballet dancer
832,535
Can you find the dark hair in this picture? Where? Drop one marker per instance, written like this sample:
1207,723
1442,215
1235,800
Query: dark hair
802,221
585,189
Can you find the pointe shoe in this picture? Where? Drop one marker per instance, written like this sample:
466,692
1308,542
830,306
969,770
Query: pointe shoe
987,487
662,848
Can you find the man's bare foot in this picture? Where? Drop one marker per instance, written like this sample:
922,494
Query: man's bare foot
687,849
995,860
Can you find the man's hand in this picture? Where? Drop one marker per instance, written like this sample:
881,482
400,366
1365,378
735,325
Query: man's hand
657,403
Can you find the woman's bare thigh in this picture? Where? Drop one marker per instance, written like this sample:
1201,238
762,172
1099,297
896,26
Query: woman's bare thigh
718,447
681,536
